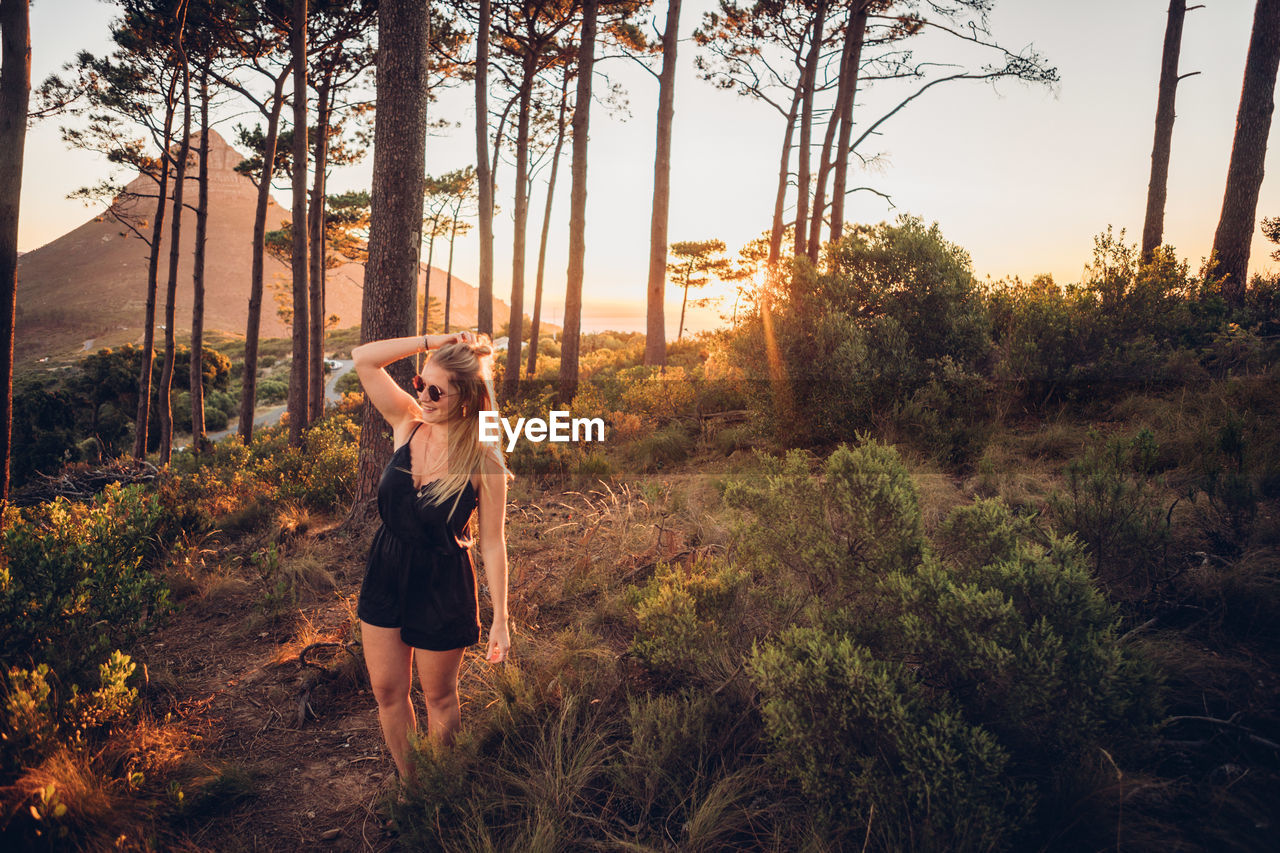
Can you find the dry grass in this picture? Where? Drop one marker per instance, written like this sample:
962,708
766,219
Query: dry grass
65,801
1004,470
939,493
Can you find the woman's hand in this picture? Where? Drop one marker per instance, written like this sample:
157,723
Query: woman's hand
499,641
437,341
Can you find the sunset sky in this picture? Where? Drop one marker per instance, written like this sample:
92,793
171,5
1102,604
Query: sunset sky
1022,177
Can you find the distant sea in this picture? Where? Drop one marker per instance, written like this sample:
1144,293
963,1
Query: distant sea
612,320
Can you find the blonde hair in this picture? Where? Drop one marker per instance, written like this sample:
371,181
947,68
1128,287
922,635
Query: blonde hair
470,369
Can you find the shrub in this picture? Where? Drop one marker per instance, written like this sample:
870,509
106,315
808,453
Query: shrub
1226,478
855,341
861,733
685,614
215,419
678,747
349,382
1112,502
319,475
658,399
669,445
1025,643
825,541
926,681
272,391
35,718
950,416
75,582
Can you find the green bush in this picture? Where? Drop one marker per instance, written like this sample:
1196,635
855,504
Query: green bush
685,614
75,582
1112,502
679,745
1119,329
819,544
1019,635
952,688
272,391
950,416
348,383
848,346
669,445
863,734
215,419
1227,479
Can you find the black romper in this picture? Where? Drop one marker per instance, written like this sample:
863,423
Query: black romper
420,578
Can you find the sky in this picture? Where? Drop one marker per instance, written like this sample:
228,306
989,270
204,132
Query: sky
1023,177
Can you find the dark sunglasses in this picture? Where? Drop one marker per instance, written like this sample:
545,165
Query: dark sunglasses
434,392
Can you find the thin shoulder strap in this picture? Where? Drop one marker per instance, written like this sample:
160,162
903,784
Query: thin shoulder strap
411,434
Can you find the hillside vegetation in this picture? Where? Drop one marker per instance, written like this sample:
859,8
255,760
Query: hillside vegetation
903,561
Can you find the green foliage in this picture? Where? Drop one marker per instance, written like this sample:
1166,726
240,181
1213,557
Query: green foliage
951,414
958,668
1226,479
1121,328
77,583
861,733
912,274
1112,502
272,391
320,474
826,540
1025,643
678,746
669,445
895,313
349,383
35,718
278,593
44,429
685,614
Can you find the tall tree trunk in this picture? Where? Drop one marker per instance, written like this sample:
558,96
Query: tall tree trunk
849,58
164,395
534,329
515,325
857,31
395,225
570,339
808,84
683,302
196,376
1157,188
249,385
299,382
15,93
448,277
1248,150
142,424
484,176
780,198
426,283
315,393
655,341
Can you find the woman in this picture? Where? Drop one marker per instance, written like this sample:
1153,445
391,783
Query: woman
418,600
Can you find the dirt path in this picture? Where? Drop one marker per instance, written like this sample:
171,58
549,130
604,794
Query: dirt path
237,679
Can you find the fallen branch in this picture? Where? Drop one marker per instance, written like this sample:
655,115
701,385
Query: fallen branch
78,484
1226,724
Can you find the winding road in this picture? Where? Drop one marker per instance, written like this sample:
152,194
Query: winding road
270,415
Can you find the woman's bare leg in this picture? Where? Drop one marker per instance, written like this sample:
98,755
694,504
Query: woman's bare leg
439,674
390,664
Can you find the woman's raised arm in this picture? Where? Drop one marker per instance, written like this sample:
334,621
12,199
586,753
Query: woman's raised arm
393,402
